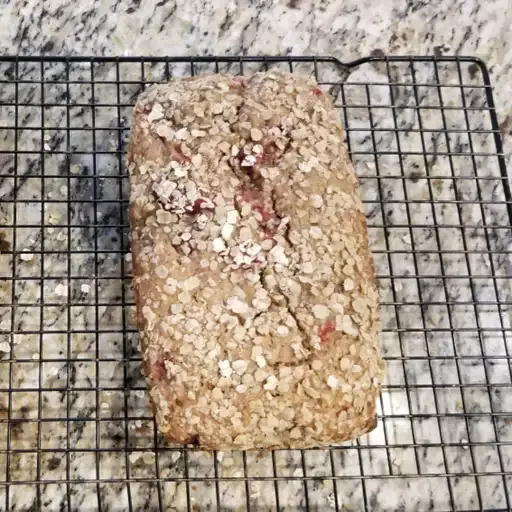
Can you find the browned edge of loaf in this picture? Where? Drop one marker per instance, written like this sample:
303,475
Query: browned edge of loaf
338,344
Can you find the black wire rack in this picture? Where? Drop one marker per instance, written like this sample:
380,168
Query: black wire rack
76,431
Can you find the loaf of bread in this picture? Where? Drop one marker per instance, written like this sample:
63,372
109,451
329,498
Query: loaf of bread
255,289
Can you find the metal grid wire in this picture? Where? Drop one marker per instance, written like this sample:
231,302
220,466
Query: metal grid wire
76,432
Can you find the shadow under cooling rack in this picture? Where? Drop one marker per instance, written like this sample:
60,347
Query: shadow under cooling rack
76,430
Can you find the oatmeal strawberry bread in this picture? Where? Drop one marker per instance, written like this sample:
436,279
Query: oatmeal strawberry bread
255,289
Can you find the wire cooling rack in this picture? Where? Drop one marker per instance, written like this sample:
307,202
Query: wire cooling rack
76,431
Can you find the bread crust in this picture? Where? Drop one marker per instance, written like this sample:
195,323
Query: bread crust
255,288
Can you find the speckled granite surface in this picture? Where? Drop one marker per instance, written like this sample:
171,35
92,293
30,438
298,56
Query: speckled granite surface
449,421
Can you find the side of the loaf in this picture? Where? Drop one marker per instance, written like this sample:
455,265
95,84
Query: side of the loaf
255,288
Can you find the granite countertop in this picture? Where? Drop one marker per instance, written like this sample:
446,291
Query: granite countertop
434,428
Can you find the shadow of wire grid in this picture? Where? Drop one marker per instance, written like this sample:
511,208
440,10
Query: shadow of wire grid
74,416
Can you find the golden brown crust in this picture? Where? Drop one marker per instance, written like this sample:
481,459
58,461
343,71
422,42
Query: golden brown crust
255,289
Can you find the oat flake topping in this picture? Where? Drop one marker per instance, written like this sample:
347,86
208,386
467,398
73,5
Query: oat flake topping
256,295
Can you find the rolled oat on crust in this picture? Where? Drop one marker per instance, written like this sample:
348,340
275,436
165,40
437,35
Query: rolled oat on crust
255,289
